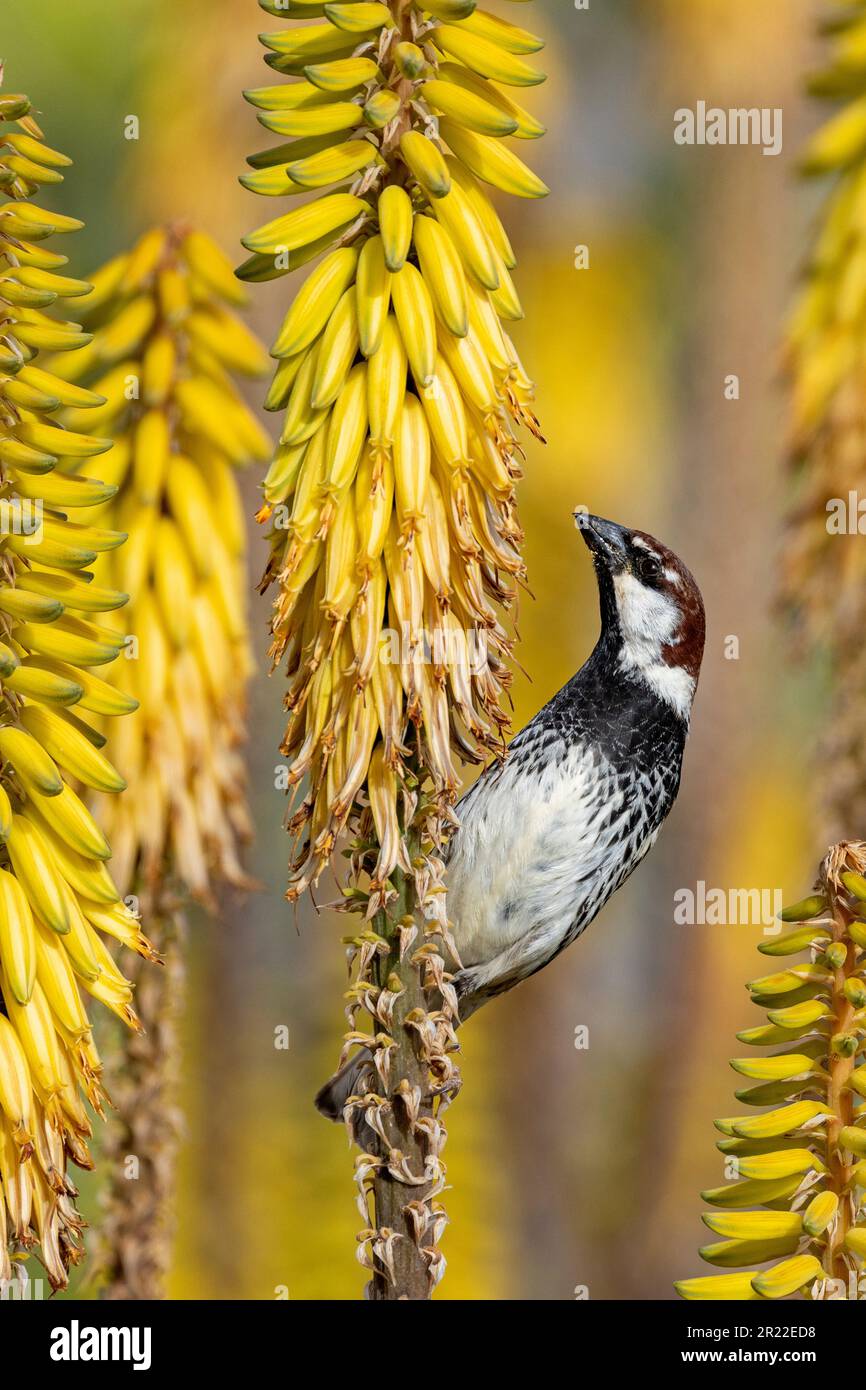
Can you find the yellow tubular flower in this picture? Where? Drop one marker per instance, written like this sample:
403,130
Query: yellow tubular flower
394,536
793,1213
56,893
400,387
165,346
824,577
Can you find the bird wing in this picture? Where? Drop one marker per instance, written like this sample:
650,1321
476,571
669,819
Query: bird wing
544,841
533,838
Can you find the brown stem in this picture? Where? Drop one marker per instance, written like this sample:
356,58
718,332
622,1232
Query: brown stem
411,1278
403,87
405,1272
134,1249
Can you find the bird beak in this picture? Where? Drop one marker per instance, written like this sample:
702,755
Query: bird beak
607,541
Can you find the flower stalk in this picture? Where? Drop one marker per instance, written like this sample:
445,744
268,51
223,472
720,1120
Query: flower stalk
57,897
393,528
823,577
133,1247
401,1256
801,1163
165,343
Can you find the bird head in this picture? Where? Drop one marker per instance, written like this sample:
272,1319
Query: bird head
652,612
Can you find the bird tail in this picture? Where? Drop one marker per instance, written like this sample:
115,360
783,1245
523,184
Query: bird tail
348,1081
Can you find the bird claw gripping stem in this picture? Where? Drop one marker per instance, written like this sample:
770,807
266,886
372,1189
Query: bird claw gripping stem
802,1164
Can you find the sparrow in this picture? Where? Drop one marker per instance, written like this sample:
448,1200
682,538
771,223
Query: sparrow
548,835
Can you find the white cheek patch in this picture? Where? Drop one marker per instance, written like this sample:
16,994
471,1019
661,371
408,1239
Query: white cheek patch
649,621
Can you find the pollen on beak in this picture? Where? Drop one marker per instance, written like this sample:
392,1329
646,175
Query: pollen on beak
607,541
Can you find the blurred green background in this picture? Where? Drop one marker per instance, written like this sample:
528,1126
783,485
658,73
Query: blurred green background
570,1169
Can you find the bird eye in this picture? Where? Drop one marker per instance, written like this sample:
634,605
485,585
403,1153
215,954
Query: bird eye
648,567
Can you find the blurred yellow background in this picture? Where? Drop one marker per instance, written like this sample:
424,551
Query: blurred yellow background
571,1169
